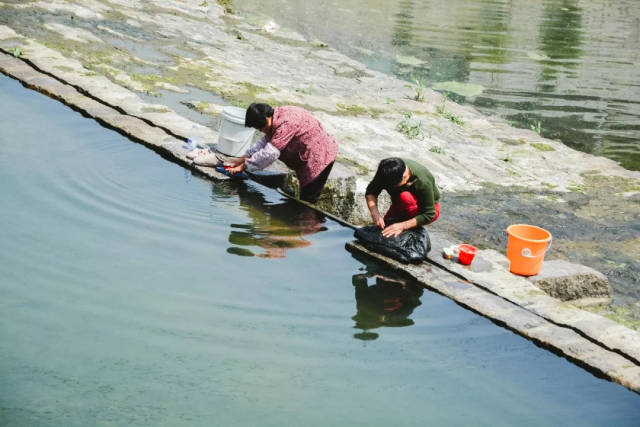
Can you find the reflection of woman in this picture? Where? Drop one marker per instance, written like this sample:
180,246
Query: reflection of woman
275,228
297,138
389,302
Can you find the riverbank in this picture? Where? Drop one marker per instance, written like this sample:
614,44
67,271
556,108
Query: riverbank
540,177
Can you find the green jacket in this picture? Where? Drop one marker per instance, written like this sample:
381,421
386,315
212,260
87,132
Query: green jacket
421,184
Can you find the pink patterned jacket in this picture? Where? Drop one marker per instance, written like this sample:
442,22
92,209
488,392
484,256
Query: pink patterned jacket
302,142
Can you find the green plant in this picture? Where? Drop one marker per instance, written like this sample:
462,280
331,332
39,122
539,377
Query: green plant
419,90
409,127
204,3
226,4
436,149
16,51
444,113
537,128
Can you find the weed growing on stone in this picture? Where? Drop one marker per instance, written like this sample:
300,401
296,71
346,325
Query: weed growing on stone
537,128
226,4
437,150
409,127
444,113
204,3
419,90
16,51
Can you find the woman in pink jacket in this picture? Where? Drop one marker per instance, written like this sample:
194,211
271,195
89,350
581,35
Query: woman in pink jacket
294,136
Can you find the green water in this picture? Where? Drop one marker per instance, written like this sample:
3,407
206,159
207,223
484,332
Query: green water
125,301
571,65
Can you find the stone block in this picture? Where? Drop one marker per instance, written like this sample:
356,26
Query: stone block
573,282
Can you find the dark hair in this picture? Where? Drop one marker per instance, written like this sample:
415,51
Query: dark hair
389,173
256,116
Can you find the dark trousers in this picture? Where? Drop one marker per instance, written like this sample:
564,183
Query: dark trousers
311,191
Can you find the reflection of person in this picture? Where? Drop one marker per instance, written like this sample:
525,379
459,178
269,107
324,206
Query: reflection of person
389,302
275,228
297,138
415,199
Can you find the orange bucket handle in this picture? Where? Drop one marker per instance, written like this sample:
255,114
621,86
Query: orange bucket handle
526,252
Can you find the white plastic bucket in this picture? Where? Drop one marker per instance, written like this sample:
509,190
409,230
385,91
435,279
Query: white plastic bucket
234,139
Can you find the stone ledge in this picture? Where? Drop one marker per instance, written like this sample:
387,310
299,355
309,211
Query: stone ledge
574,283
490,271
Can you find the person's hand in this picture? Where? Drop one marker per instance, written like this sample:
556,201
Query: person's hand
393,230
237,169
236,162
378,220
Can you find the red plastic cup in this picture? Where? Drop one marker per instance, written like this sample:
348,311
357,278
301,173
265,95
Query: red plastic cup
466,253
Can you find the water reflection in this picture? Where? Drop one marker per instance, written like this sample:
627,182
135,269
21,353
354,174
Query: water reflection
383,300
274,228
560,38
402,34
569,64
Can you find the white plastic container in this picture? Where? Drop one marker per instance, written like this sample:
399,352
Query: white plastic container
234,139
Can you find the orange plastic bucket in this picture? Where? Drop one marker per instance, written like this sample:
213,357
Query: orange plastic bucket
526,247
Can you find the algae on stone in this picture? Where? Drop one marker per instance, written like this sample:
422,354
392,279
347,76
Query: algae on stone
542,147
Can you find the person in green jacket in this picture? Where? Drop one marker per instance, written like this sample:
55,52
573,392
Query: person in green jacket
415,199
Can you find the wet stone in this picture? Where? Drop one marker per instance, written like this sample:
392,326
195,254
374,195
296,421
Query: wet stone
567,281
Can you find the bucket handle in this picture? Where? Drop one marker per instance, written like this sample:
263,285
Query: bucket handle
526,252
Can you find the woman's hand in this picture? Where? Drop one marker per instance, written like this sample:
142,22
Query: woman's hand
236,162
378,220
393,230
372,204
236,169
